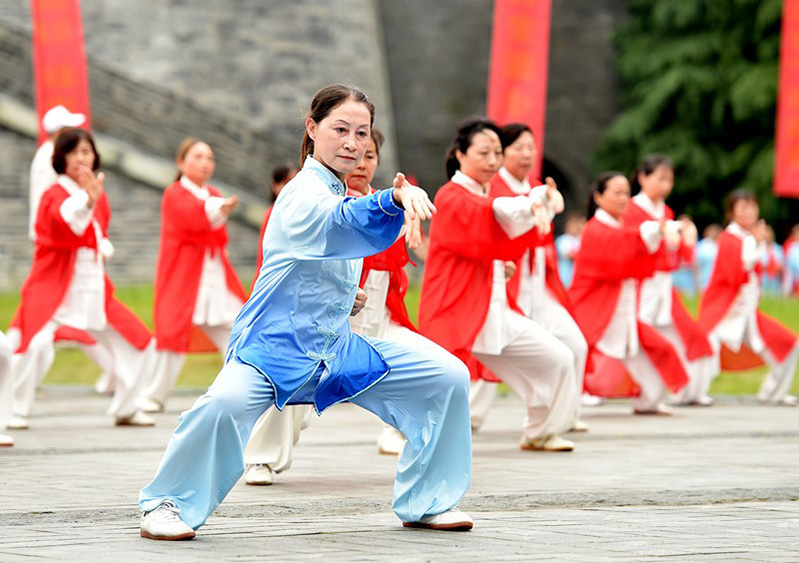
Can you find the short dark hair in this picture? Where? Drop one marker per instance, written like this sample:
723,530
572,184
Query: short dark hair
741,194
511,132
463,140
66,142
598,187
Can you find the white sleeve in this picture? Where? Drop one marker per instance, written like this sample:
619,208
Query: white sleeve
76,212
650,234
750,253
106,249
212,210
514,214
672,235
42,177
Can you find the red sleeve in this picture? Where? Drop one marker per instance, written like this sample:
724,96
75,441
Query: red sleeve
184,215
465,225
613,254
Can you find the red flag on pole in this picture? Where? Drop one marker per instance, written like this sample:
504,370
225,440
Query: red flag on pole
59,58
517,77
786,172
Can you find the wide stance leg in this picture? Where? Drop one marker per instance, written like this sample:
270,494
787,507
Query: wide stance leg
552,316
426,397
482,394
30,368
540,369
274,436
653,389
204,458
778,382
6,382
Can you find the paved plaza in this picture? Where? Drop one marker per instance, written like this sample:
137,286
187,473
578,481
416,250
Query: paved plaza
718,484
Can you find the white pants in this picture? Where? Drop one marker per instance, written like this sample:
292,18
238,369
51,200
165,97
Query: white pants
540,369
101,356
130,367
169,365
552,316
701,371
653,388
6,382
778,382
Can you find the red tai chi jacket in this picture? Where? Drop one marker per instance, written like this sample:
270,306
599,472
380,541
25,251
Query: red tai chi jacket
54,266
186,235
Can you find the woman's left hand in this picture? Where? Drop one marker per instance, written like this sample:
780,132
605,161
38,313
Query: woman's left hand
413,199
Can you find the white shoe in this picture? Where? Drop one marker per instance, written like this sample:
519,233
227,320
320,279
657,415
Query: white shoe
6,441
150,405
589,400
391,441
705,401
17,423
138,419
789,401
258,474
660,410
552,443
579,426
164,523
105,384
452,520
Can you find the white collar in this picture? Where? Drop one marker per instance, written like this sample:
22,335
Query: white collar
469,183
737,230
69,184
517,187
656,210
607,219
200,192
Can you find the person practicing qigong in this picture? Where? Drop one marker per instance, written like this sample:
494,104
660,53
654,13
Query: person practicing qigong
292,343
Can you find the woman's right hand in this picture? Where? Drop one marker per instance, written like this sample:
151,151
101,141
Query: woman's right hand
230,204
91,184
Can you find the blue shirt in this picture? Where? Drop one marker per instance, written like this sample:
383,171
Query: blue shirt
294,328
706,252
565,245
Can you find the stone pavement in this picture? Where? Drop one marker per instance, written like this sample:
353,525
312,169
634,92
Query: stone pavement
717,483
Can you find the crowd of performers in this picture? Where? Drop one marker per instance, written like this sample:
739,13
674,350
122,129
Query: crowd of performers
326,322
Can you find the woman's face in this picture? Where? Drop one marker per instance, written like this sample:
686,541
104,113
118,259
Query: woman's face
341,138
483,157
615,197
657,185
360,178
520,156
198,164
746,212
81,155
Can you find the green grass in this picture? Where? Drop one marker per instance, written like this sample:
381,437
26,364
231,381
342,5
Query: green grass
72,368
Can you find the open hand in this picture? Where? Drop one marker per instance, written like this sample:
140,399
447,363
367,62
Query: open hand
93,185
413,232
413,199
230,204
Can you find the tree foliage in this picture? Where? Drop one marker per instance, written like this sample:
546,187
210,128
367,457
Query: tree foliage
699,83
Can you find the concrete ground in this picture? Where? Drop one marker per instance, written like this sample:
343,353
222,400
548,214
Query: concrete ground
710,483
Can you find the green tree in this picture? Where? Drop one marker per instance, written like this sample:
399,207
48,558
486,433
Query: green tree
699,83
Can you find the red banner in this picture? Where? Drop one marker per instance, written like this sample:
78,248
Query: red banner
59,58
786,172
517,77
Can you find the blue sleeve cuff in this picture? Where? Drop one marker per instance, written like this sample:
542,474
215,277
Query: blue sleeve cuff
385,199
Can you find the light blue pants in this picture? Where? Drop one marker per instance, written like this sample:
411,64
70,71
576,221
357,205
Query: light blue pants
425,396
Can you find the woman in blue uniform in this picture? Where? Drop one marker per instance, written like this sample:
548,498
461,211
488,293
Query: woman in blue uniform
291,344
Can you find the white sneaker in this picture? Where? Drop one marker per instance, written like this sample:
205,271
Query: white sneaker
705,401
138,419
258,474
164,523
453,520
150,405
553,443
17,423
659,410
579,426
6,441
589,400
391,441
789,401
